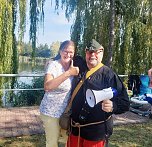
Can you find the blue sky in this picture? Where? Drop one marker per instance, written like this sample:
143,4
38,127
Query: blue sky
56,27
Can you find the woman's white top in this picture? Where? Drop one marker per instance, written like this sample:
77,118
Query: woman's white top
55,101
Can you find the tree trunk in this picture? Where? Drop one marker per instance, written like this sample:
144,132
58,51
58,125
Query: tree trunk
111,33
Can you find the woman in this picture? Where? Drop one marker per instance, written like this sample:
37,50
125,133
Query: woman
57,86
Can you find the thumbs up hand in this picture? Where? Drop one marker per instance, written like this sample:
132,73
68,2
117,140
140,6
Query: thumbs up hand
74,71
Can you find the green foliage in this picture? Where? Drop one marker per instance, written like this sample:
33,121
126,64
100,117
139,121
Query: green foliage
6,38
43,47
131,48
22,24
10,11
41,50
36,14
1,94
55,48
128,40
25,48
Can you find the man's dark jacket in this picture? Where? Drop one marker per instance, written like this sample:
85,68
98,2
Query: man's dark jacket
101,79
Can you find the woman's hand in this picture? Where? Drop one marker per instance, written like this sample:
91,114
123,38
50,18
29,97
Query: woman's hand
52,83
73,71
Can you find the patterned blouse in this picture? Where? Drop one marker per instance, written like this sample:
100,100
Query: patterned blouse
55,101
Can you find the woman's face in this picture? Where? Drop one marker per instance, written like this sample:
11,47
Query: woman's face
67,54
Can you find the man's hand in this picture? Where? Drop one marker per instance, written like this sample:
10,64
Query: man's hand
107,105
74,71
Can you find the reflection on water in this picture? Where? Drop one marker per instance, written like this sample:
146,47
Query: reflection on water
26,80
24,68
29,68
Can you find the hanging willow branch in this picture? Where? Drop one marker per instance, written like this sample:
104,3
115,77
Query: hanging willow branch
22,24
111,32
14,43
36,14
6,39
33,23
131,48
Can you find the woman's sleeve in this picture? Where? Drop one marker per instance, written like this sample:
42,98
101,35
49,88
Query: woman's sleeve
51,69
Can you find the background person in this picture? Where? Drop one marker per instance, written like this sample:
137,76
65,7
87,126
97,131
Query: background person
57,86
85,132
150,77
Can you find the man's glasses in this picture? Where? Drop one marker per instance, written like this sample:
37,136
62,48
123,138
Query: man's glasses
93,51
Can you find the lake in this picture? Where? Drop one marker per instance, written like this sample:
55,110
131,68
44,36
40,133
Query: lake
24,68
28,68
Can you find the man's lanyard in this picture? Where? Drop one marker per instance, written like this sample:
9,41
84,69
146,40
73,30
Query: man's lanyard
88,74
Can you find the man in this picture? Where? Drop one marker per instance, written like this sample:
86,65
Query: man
91,126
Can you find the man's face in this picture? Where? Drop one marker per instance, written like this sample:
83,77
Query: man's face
93,58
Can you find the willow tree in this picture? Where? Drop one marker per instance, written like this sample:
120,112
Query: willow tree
130,21
94,19
13,17
133,36
123,27
6,36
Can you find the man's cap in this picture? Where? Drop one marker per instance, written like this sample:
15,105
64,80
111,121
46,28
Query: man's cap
94,45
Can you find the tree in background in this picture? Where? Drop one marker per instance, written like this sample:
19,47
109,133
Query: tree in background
40,51
123,27
8,51
133,39
25,49
54,48
10,10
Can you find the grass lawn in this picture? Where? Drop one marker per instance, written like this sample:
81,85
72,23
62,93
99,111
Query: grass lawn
135,135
